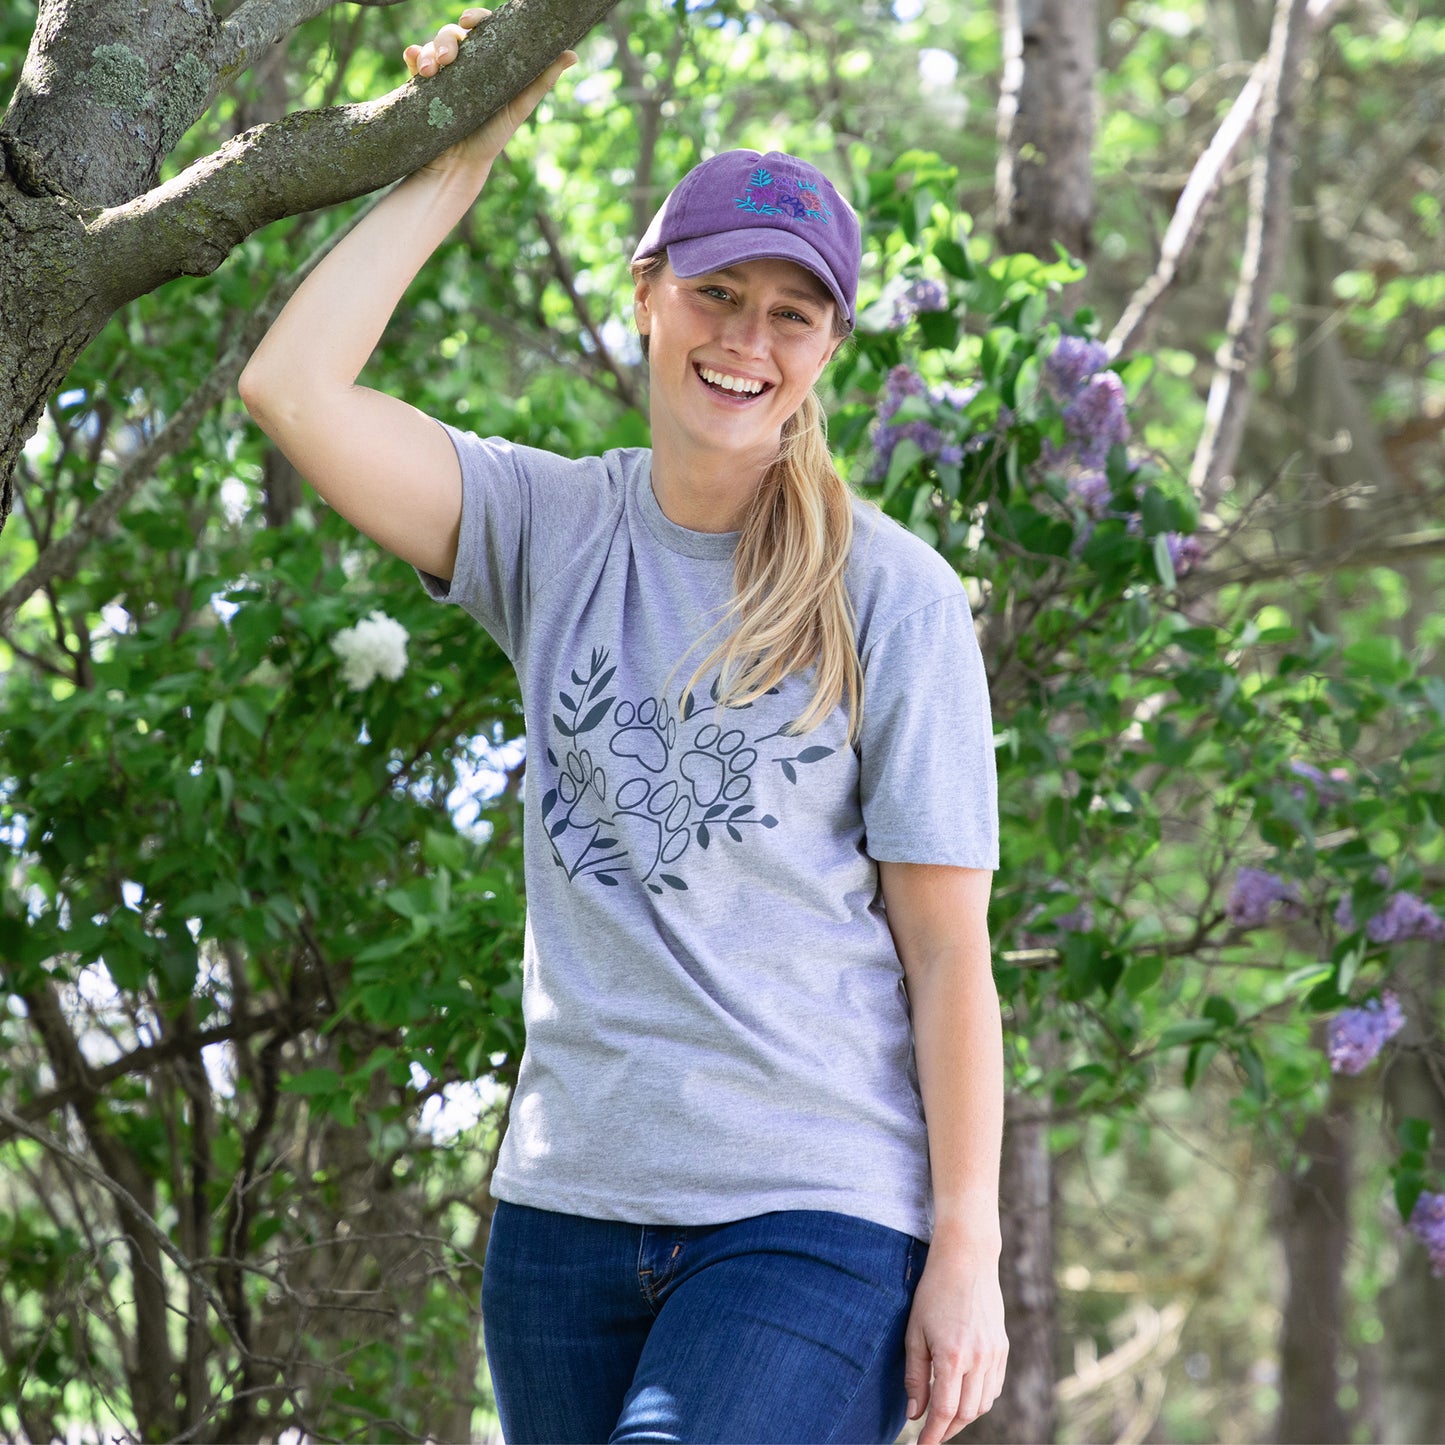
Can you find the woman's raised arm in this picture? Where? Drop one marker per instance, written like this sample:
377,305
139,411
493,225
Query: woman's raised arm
384,465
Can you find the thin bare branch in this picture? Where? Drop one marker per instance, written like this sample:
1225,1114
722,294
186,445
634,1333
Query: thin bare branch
1269,218
1203,188
130,1204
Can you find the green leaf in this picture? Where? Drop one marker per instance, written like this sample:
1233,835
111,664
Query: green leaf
215,719
312,1082
1187,1032
906,455
1415,1133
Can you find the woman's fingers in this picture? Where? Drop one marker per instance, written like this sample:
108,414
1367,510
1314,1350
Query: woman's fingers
442,50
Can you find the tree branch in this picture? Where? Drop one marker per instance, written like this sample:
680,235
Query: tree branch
625,378
318,158
129,1204
174,1046
1370,552
1199,195
1269,218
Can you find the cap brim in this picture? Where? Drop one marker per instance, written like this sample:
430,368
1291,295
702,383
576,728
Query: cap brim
753,243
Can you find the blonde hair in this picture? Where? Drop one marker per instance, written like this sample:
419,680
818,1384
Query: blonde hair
790,607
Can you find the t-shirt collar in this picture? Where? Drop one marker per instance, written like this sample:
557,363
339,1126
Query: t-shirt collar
716,545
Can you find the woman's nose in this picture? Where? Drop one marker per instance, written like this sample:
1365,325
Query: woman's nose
746,331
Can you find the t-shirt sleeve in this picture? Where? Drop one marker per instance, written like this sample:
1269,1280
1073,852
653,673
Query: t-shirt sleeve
491,579
527,515
928,780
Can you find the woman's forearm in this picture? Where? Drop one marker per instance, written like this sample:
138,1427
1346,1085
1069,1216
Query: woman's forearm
333,323
958,1046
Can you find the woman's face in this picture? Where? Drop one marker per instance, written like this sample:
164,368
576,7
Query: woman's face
733,353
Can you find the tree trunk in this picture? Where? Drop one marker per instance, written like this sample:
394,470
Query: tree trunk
1044,184
1312,1220
1044,194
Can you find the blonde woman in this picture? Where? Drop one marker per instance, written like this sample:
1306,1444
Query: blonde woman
749,1185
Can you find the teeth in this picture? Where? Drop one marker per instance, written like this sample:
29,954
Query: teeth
731,383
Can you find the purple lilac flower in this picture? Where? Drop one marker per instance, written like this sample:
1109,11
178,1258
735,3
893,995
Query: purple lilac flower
1326,784
922,294
1356,1035
1427,1224
900,384
1077,920
1255,894
1184,551
1071,363
1096,418
1091,491
1404,916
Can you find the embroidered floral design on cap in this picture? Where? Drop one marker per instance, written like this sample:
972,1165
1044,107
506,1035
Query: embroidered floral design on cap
805,205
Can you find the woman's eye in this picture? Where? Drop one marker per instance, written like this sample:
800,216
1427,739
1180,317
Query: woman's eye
715,291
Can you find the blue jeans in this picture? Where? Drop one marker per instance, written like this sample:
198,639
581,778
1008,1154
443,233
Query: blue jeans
787,1326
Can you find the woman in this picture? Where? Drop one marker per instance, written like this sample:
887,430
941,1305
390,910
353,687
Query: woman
760,829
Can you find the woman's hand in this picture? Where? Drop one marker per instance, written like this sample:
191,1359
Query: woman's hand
473,156
956,1327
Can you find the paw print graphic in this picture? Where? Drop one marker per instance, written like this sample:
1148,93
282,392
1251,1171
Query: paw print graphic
660,833
645,733
717,766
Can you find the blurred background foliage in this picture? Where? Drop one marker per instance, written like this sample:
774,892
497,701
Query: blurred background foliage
260,930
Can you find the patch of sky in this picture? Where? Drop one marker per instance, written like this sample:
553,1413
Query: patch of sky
592,88
620,338
481,776
908,9
458,1107
115,619
1169,18
937,67
235,499
224,609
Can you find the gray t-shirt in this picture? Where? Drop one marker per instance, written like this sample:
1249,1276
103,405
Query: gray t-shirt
716,1018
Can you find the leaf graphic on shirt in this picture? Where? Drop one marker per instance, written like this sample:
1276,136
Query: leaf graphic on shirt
602,682
567,702
562,725
789,772
673,881
813,755
606,878
703,836
549,801
595,715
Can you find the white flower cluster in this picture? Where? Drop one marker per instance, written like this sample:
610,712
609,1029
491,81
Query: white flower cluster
376,645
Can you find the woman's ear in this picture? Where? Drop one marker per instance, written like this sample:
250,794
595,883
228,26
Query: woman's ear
642,306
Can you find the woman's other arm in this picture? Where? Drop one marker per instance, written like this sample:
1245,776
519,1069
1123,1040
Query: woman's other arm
384,465
939,919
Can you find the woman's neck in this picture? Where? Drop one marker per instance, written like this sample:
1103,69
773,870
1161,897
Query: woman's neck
705,491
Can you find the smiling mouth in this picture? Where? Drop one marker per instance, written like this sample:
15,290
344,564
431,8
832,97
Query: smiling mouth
735,388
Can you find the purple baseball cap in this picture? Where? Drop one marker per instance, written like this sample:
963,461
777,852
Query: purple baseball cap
745,206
